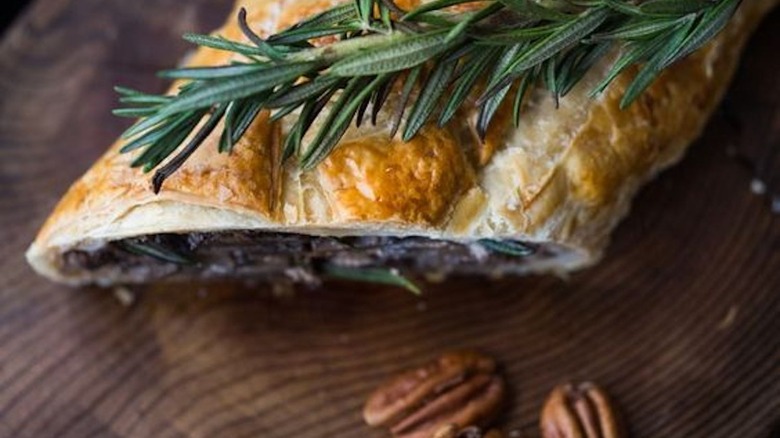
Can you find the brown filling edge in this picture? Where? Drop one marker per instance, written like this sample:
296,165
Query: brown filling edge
273,256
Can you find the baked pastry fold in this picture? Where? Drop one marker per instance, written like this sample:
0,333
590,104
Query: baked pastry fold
542,196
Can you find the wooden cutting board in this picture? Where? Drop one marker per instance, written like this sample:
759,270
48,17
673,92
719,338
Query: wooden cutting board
681,322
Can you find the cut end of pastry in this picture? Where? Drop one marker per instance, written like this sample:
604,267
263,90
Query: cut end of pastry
273,257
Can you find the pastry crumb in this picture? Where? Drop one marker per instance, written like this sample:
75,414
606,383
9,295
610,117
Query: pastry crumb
125,296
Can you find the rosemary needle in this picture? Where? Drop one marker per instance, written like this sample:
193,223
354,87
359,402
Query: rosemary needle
390,277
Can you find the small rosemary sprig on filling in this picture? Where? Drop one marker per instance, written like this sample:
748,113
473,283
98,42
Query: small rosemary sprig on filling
156,250
384,276
447,56
509,247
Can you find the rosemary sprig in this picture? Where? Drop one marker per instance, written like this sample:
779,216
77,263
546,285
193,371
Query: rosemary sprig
514,44
390,277
156,251
508,247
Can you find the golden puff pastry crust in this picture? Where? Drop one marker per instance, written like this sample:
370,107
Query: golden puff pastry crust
565,176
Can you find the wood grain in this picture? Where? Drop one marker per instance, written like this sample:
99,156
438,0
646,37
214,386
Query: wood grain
680,323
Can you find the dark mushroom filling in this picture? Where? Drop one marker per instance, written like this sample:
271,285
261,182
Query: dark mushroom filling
300,258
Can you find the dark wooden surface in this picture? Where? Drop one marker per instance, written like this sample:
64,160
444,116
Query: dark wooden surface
11,8
681,322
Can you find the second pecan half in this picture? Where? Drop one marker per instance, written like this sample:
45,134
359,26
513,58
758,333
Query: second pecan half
460,388
580,411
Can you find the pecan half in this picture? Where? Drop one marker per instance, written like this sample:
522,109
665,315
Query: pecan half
580,411
459,388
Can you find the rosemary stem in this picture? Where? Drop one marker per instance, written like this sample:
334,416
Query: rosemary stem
339,50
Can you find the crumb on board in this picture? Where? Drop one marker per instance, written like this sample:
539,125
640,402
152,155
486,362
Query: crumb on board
125,296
